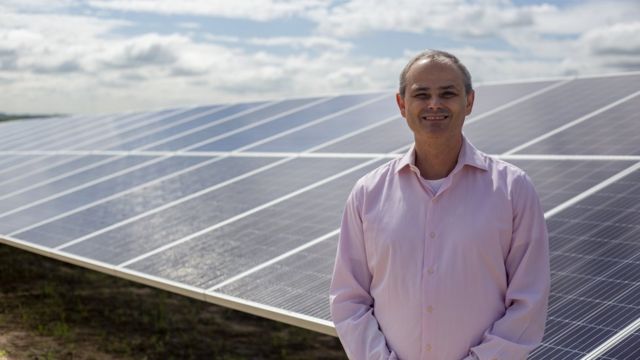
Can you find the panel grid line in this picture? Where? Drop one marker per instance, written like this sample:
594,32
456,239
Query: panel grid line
186,198
83,186
595,250
246,213
571,124
255,124
318,240
116,195
601,277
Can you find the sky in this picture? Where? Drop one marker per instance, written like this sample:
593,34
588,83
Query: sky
105,56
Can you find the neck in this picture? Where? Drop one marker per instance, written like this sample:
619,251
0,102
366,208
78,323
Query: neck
436,157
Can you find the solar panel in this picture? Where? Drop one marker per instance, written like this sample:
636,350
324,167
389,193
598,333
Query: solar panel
239,204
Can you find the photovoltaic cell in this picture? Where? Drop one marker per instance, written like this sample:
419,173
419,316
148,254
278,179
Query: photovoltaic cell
123,136
192,139
286,122
13,200
148,140
40,174
228,250
137,202
627,349
590,244
557,181
31,162
87,132
10,161
332,128
490,96
26,130
62,201
613,132
395,133
174,223
299,283
313,266
518,124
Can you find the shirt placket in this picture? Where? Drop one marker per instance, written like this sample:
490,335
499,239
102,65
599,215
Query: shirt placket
429,272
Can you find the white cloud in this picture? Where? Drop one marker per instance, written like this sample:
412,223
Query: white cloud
617,39
614,47
584,16
259,10
306,42
73,63
143,51
457,17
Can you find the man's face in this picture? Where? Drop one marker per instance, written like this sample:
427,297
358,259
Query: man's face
435,103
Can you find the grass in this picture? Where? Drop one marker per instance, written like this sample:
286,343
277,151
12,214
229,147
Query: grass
9,117
53,310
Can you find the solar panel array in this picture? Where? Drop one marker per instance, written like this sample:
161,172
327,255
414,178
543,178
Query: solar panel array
239,204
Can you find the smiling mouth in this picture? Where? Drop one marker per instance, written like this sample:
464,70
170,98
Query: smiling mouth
438,117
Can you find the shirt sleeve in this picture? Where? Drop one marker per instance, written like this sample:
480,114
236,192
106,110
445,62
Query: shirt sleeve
350,300
520,330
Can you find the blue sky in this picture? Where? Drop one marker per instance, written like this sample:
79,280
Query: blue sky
71,56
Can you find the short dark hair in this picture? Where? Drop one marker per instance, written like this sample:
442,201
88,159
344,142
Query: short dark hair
436,55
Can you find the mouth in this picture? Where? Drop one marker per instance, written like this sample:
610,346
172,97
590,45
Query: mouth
434,117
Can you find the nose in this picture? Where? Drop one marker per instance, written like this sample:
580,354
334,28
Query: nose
434,103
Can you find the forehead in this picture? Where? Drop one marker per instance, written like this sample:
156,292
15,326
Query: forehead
434,74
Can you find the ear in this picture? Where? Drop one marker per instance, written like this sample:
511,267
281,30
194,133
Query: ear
471,96
401,105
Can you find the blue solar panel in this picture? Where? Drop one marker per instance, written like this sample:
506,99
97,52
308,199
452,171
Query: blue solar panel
248,207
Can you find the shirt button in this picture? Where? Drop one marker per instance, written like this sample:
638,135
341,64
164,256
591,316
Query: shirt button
432,235
430,271
428,347
429,309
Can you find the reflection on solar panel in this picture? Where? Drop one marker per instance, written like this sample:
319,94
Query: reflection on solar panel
239,205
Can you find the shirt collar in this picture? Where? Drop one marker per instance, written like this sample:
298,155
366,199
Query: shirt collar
469,155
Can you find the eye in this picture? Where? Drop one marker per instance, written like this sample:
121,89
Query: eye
448,94
421,95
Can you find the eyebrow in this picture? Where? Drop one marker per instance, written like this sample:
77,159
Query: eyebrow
425,88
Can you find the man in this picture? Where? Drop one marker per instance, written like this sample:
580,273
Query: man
443,253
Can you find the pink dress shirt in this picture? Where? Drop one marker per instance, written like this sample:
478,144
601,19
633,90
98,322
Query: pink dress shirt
461,274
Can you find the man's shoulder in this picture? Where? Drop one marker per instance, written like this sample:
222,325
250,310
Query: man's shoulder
511,175
496,164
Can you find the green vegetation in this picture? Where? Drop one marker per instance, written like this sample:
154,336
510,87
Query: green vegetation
69,312
7,117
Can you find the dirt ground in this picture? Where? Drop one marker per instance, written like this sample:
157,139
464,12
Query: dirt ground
52,310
